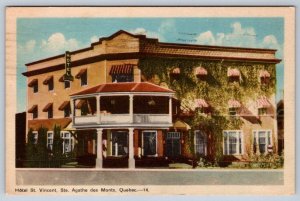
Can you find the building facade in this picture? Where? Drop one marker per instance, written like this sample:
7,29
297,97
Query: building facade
134,99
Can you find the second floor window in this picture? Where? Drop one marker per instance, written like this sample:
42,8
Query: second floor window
67,111
83,79
49,81
49,109
82,75
34,84
67,84
122,73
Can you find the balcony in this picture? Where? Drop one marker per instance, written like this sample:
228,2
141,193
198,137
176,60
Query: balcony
122,109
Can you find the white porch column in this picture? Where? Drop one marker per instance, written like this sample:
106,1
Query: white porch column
99,158
98,108
131,161
170,109
131,108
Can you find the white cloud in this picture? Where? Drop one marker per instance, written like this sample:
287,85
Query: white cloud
94,39
241,37
206,38
30,45
149,34
57,43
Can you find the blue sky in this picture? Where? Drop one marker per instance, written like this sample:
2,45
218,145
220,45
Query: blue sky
39,38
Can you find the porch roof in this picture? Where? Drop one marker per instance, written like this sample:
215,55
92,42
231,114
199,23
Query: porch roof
124,87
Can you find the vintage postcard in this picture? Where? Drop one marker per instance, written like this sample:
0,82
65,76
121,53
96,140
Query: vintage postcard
150,100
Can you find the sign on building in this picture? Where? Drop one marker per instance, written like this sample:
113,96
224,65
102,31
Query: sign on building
68,76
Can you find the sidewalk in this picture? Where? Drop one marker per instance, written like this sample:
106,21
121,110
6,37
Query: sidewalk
148,177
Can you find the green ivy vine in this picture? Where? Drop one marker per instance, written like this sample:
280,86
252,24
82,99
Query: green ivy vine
215,89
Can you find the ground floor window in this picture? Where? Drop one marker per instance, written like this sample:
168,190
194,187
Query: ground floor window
119,143
261,140
173,146
200,142
149,143
35,137
232,142
68,141
50,140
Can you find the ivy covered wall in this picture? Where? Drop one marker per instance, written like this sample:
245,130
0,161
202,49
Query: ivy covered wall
215,89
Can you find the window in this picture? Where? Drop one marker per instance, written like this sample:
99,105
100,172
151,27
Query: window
149,143
232,142
200,143
119,143
261,140
50,113
83,78
122,78
67,84
35,114
67,112
50,140
232,111
262,111
51,85
68,142
35,88
35,137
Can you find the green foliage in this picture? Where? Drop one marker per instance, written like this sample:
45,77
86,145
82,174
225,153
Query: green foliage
57,149
266,161
31,150
215,88
42,150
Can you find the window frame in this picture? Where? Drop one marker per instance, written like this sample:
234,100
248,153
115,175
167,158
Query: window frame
51,85
50,138
71,140
35,136
197,133
35,88
50,113
239,143
267,136
112,144
127,77
84,79
156,143
233,111
69,85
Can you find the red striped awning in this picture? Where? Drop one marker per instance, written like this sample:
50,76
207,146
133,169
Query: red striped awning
47,107
264,74
232,103
47,80
33,82
121,69
176,71
233,72
263,102
64,105
80,73
32,109
200,71
201,103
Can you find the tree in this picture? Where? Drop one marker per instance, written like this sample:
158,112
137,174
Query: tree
57,149
31,150
42,150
